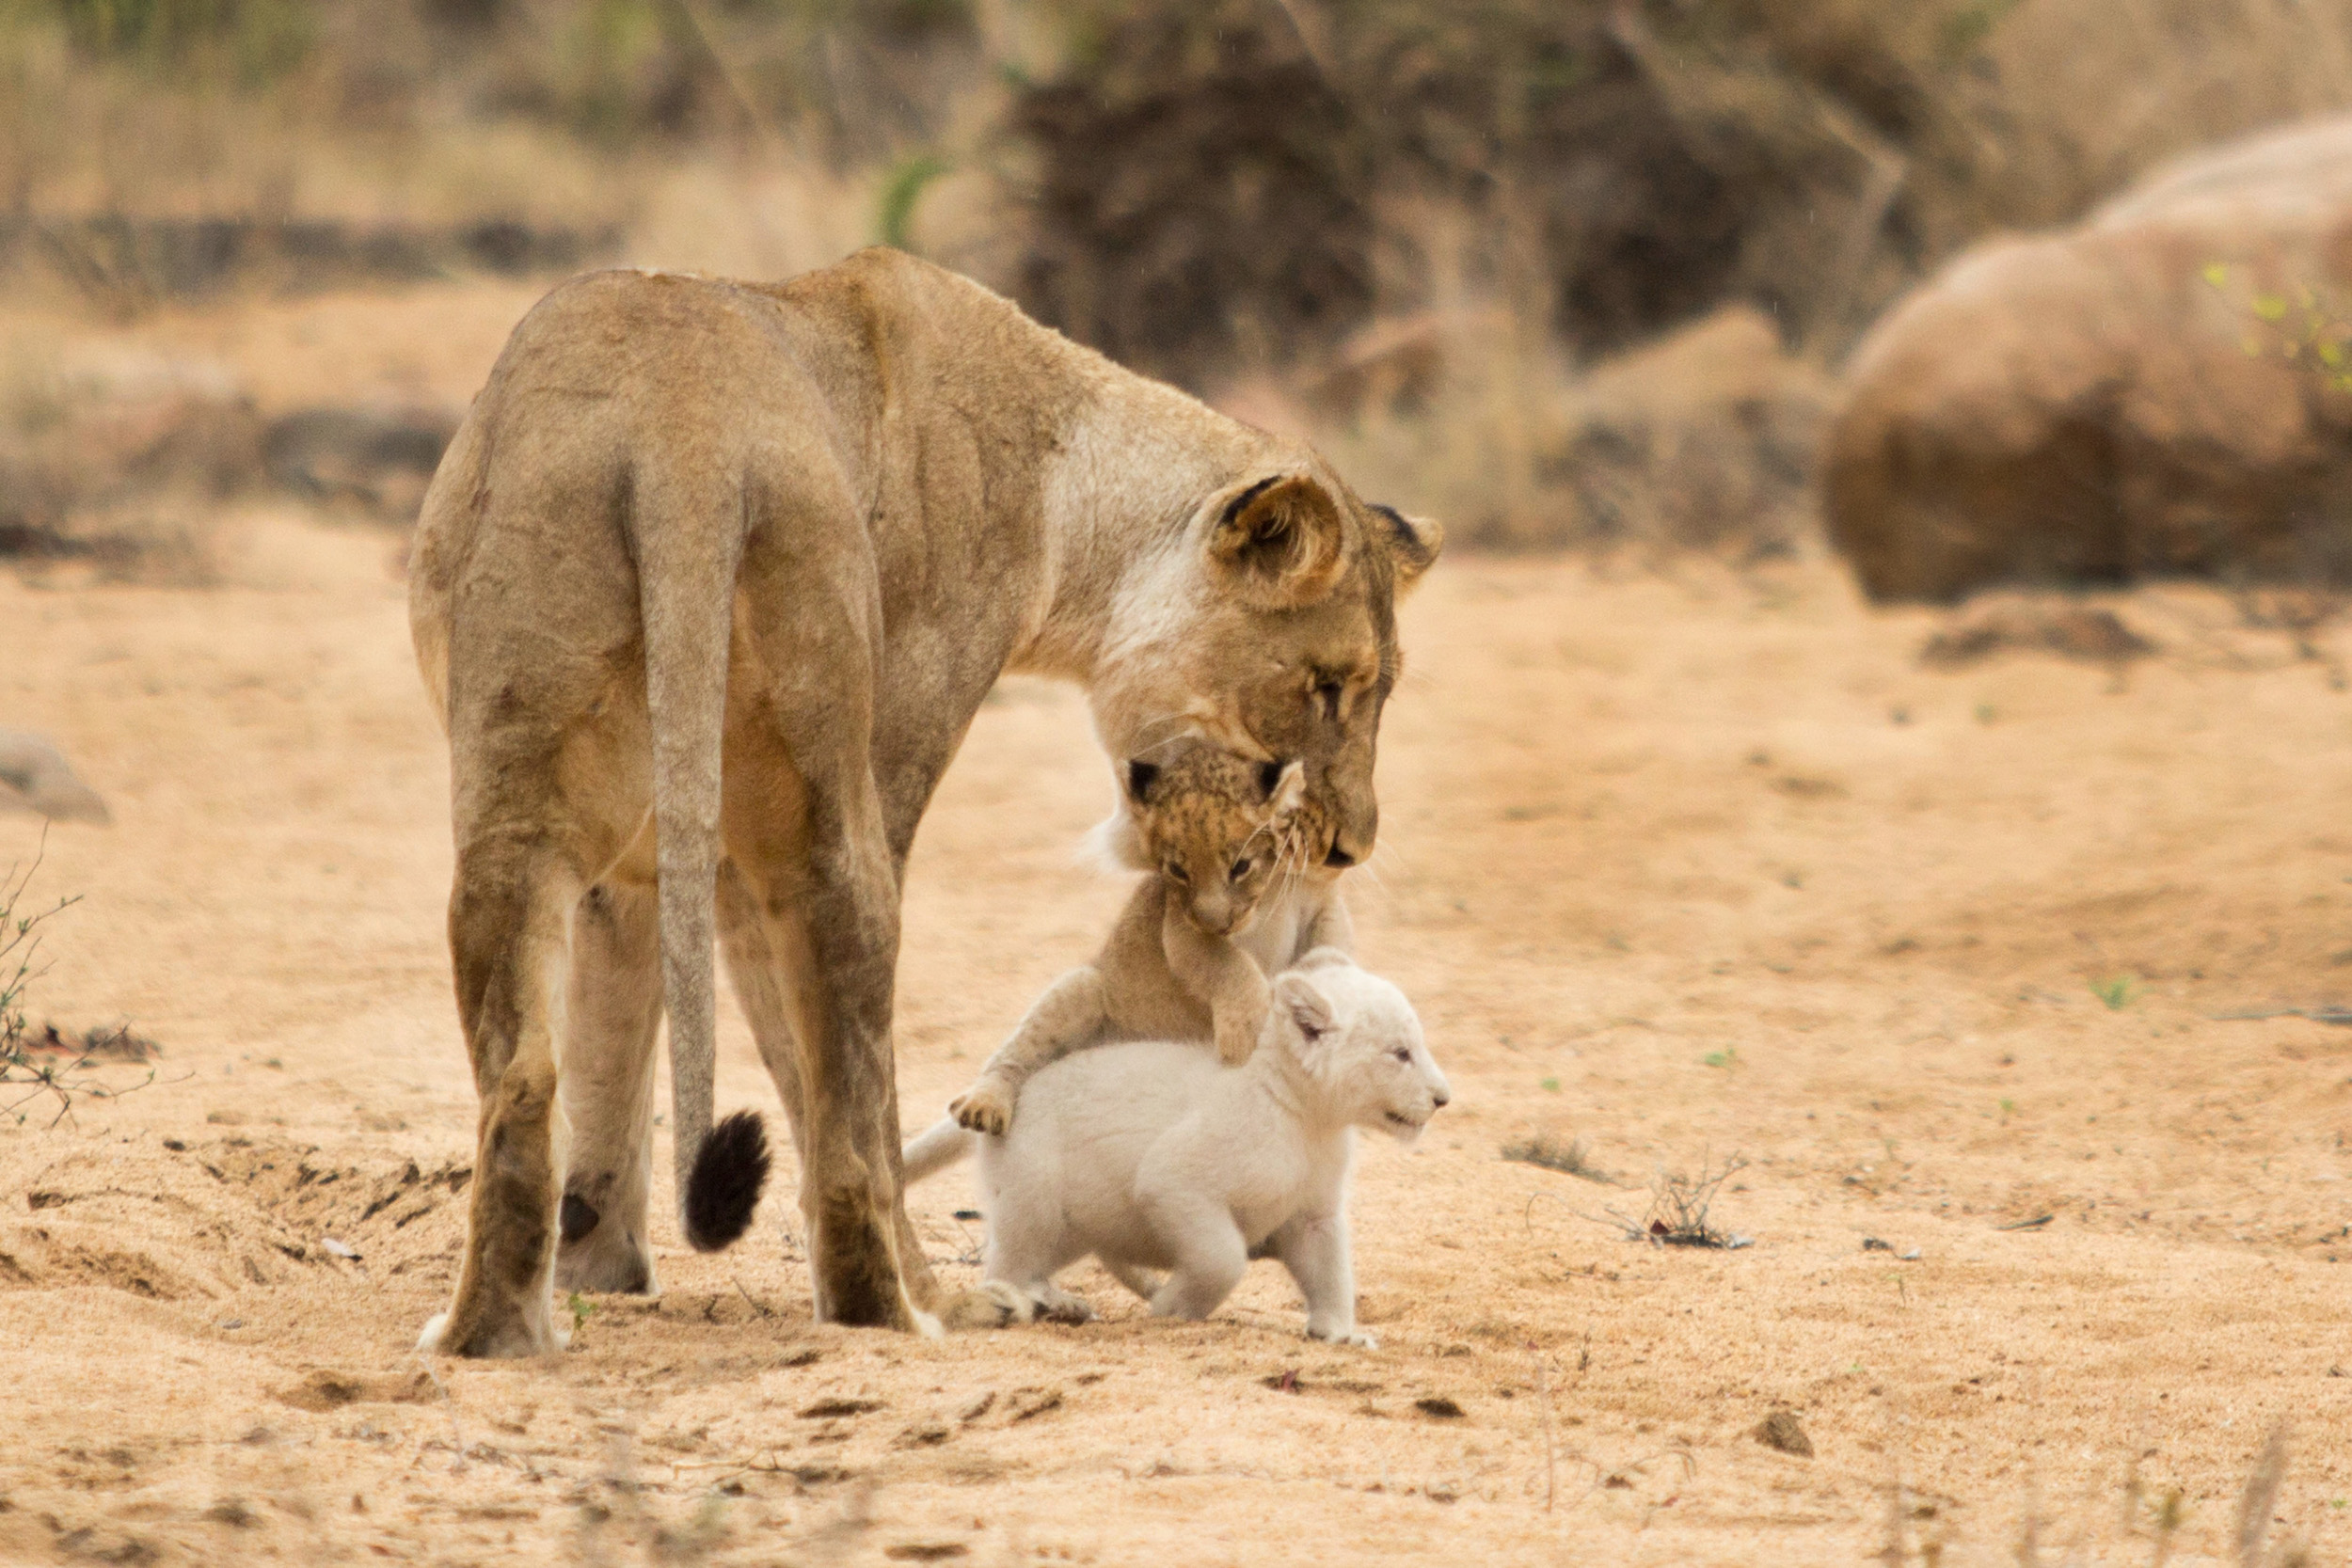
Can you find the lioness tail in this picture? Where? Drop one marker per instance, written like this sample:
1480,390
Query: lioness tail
724,1189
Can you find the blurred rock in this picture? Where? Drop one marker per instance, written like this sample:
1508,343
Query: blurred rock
114,457
377,458
2071,631
1704,439
2161,391
35,776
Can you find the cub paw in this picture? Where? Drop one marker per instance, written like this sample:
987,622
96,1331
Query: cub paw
994,1304
1356,1337
1056,1306
983,1108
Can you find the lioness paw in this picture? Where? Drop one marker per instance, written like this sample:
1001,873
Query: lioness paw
1236,1040
984,1108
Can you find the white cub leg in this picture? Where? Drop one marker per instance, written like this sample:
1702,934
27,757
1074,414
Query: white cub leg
1314,1247
1211,1257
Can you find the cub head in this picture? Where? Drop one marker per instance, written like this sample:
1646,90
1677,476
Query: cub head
1269,628
1219,827
1361,1042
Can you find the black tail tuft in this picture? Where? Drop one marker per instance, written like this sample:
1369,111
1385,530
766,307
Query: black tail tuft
728,1175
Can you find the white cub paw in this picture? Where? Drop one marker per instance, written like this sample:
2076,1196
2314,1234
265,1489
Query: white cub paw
1057,1306
1352,1336
1018,1306
434,1326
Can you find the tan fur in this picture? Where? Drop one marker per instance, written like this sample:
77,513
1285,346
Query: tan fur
1180,963
804,527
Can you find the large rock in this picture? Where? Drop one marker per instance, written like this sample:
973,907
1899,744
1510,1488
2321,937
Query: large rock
2161,391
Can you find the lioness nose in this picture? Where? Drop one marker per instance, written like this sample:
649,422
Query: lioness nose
1345,854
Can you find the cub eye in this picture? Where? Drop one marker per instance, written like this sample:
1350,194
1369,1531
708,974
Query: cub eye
1403,1053
1175,872
1241,869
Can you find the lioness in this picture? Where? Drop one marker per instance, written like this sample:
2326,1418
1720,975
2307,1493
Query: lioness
1226,903
803,527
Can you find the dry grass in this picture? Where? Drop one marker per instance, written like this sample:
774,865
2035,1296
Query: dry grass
1573,1157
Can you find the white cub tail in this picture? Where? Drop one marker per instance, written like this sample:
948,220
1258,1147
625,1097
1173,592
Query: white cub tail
936,1147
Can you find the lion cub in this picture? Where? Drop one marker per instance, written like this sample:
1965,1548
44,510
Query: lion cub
1235,893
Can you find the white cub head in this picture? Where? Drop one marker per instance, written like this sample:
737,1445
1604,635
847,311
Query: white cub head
1360,1042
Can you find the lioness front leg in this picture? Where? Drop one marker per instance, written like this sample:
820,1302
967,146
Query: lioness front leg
1222,976
1314,1247
1070,1016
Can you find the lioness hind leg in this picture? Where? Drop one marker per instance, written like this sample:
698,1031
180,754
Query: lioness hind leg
507,920
608,1091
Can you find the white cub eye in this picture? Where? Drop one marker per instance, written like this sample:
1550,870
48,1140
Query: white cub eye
1404,1052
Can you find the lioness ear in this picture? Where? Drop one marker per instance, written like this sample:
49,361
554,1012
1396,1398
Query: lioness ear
1278,542
1413,544
1141,776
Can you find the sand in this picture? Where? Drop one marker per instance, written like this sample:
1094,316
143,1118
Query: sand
1696,867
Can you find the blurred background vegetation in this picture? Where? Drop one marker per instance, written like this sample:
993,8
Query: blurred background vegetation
1470,245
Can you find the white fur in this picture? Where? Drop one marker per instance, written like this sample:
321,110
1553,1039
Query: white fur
1152,1156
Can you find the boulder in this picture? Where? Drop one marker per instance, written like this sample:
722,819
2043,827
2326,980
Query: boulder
2165,389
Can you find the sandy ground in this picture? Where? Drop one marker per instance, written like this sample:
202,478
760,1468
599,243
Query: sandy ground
1696,867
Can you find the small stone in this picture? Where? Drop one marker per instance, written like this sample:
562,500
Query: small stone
1781,1432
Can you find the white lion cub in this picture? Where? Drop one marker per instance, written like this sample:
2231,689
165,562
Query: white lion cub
1152,1155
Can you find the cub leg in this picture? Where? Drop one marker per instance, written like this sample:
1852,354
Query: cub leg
1027,1244
1221,976
1070,1016
1314,1247
1143,1282
1209,1257
608,1091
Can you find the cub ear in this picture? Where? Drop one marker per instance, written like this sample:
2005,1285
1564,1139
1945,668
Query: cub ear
1284,785
1278,542
1307,1007
1141,776
1413,544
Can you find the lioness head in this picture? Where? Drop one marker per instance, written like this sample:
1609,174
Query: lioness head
1361,1041
1271,630
1219,827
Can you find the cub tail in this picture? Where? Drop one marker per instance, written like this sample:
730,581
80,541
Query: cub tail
935,1149
722,1190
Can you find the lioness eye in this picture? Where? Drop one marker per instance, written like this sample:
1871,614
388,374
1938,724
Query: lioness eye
1241,869
1328,693
1176,873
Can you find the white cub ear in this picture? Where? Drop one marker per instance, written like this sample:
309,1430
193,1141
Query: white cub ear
1306,1005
